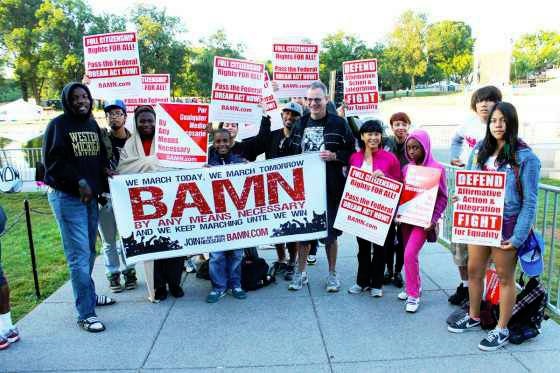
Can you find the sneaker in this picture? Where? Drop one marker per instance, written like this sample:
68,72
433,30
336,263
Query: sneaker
376,293
115,282
356,289
412,304
130,279
280,267
13,335
238,293
91,324
215,296
333,284
176,290
464,324
4,344
461,294
387,278
398,281
290,270
161,293
300,279
402,295
311,259
494,340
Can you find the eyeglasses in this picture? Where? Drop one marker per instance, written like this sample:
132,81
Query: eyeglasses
116,114
316,100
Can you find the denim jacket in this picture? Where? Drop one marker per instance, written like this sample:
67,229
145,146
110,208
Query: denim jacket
525,208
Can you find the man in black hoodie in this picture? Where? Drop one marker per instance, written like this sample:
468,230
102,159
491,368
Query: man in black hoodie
76,170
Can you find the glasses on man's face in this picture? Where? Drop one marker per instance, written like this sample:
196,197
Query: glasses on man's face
316,100
115,115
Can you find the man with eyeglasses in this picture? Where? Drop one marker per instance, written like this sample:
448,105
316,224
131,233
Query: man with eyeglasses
330,135
114,140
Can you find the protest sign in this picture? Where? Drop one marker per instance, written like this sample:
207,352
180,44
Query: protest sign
418,198
178,213
237,90
295,66
156,88
112,64
361,92
477,215
368,205
181,139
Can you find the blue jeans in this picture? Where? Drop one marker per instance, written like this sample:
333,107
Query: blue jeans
225,269
112,255
77,223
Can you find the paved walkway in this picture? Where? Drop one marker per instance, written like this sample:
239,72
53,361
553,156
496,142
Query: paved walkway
273,330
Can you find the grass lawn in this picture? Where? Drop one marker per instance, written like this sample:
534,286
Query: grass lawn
16,260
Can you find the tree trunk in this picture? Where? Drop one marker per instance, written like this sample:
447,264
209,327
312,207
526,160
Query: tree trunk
413,85
23,88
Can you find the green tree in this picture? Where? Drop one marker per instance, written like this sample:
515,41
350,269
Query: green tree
161,51
390,70
409,40
337,48
532,53
450,49
202,61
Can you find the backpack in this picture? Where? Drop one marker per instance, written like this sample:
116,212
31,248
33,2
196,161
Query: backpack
528,312
254,272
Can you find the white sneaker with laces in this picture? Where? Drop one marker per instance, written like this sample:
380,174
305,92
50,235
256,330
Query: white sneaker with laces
402,295
333,284
356,289
412,304
377,293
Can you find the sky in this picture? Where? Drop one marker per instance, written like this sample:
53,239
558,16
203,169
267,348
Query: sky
494,22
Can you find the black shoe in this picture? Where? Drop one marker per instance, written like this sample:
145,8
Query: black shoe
398,281
115,282
130,279
464,324
280,267
461,294
387,278
161,293
289,275
176,291
494,340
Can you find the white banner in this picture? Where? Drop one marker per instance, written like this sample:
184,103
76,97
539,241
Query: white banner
112,64
156,88
368,205
478,214
177,213
237,90
295,67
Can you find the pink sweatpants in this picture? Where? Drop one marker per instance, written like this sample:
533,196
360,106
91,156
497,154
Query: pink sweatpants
414,238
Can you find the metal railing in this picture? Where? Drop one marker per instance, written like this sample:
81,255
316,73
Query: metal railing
546,224
23,160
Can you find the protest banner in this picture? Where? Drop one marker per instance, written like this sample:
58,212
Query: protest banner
181,140
271,108
156,88
178,213
237,90
368,205
295,67
112,64
418,198
361,91
477,215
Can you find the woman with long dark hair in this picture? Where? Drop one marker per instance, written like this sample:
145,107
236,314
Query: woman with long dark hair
502,150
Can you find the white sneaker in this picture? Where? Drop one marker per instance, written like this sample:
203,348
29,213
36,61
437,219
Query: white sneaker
412,304
402,295
333,284
377,293
356,289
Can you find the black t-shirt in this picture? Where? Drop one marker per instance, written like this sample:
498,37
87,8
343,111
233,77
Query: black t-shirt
117,145
313,135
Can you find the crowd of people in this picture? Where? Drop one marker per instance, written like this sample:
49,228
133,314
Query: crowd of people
80,156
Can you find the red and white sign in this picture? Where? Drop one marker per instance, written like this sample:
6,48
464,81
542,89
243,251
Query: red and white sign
368,205
418,199
112,64
478,214
361,90
156,88
181,139
295,67
237,91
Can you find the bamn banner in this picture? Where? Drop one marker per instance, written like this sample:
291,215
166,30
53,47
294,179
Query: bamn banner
177,213
368,205
418,199
112,64
477,215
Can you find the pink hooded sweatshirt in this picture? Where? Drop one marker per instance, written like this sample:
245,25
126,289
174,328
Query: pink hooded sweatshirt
429,161
381,160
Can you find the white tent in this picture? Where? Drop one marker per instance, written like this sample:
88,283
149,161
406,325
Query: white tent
20,110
